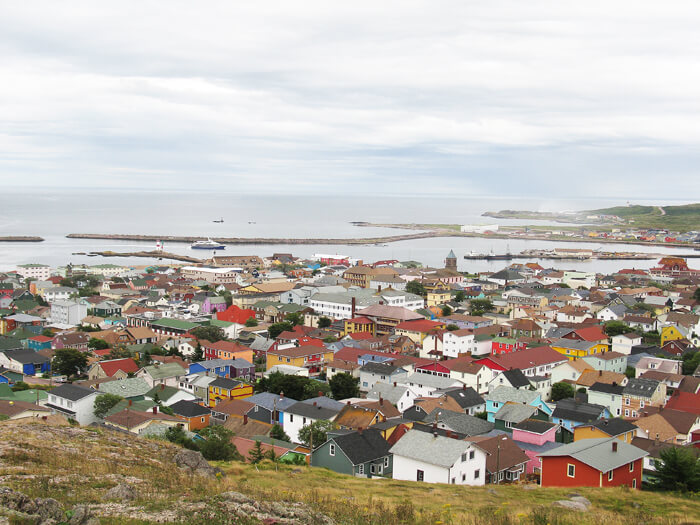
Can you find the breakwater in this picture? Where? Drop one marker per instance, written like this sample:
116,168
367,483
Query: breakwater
20,238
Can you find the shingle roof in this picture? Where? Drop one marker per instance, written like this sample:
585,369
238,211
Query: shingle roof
364,446
425,447
535,425
573,410
615,426
380,368
515,412
598,453
516,378
165,370
128,387
271,401
459,422
640,387
186,408
72,392
504,394
26,356
314,412
466,397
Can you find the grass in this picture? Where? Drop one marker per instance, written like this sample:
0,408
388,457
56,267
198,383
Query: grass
77,465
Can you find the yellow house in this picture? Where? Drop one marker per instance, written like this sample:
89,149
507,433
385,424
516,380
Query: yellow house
359,325
437,297
313,358
419,329
576,349
606,428
671,333
224,389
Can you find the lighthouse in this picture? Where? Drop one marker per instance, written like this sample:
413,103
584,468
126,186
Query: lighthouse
159,245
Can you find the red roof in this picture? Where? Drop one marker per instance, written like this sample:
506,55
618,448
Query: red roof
434,366
523,359
419,325
226,346
102,353
235,314
41,339
113,366
358,336
360,320
685,402
592,333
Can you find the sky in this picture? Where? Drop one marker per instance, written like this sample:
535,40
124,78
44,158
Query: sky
553,98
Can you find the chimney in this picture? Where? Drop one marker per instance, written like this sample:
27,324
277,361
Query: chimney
656,439
130,402
381,401
155,409
359,430
282,395
434,427
379,288
314,403
394,383
347,402
162,386
614,445
245,419
320,394
353,304
600,373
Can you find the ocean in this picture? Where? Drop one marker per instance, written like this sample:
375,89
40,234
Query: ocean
52,214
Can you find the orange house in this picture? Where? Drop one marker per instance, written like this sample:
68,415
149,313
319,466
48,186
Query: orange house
196,416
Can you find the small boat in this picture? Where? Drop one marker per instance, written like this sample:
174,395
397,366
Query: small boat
207,245
251,222
219,221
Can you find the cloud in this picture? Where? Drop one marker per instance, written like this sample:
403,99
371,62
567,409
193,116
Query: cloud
522,97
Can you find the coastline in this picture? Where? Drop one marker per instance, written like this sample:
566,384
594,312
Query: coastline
21,238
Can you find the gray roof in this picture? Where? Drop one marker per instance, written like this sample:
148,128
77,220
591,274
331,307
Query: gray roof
393,394
313,412
128,387
462,423
515,412
72,392
430,380
271,401
503,394
381,368
424,446
467,397
26,357
325,402
598,453
574,410
640,387
216,363
360,447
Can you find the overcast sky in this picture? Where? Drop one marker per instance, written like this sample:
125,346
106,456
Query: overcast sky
477,97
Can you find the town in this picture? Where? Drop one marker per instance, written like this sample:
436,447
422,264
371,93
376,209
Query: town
385,369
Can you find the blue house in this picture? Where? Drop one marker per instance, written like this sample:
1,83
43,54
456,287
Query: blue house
570,413
229,368
39,342
506,394
268,404
371,358
25,361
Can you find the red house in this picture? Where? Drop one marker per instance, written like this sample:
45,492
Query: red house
602,462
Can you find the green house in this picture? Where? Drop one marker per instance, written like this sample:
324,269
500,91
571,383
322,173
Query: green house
511,414
364,454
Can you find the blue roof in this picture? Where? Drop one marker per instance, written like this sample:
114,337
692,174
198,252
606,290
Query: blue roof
267,400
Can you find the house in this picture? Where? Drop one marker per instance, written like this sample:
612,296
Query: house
74,402
196,416
505,394
168,374
537,361
505,460
39,342
142,423
573,349
223,389
418,329
363,453
428,457
624,343
607,395
131,388
372,373
27,362
77,340
607,428
607,361
571,412
226,350
534,436
168,395
309,411
21,409
659,364
601,462
268,407
115,368
467,398
198,385
402,397
513,378
231,368
512,414
639,394
310,357
426,384
68,312
672,426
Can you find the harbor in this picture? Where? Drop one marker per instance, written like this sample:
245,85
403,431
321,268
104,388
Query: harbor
571,254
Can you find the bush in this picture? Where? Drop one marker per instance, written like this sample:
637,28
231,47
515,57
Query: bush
218,446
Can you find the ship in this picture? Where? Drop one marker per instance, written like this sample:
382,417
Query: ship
219,220
207,245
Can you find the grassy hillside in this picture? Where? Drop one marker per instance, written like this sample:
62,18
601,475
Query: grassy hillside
76,465
678,218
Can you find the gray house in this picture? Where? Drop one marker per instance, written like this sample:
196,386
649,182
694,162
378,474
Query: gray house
363,454
372,373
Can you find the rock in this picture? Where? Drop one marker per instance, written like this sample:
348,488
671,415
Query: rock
121,492
573,495
49,509
492,491
581,499
82,515
572,505
193,461
530,487
272,512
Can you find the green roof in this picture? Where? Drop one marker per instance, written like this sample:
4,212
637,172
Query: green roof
216,300
220,324
175,323
24,305
128,387
21,334
9,343
28,396
292,308
265,304
142,406
164,393
165,370
142,347
33,265
506,340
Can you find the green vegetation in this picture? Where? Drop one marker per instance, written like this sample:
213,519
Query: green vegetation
316,433
295,387
417,288
105,402
562,391
344,386
277,328
324,322
210,333
276,432
678,469
69,362
251,321
677,218
480,306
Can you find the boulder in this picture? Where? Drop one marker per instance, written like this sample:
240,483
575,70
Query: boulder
82,515
581,499
572,505
49,509
121,492
193,461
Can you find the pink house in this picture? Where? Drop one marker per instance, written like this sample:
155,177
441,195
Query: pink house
535,437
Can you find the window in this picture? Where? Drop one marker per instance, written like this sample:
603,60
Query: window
571,470
627,412
202,420
453,481
291,418
627,401
361,470
641,404
464,458
632,467
477,473
420,475
372,468
610,475
471,454
634,483
509,424
386,462
331,449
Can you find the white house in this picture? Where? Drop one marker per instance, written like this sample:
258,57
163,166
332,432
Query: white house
372,373
307,412
40,272
74,402
579,279
68,312
423,456
458,342
607,361
169,374
623,343
400,396
59,293
425,385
